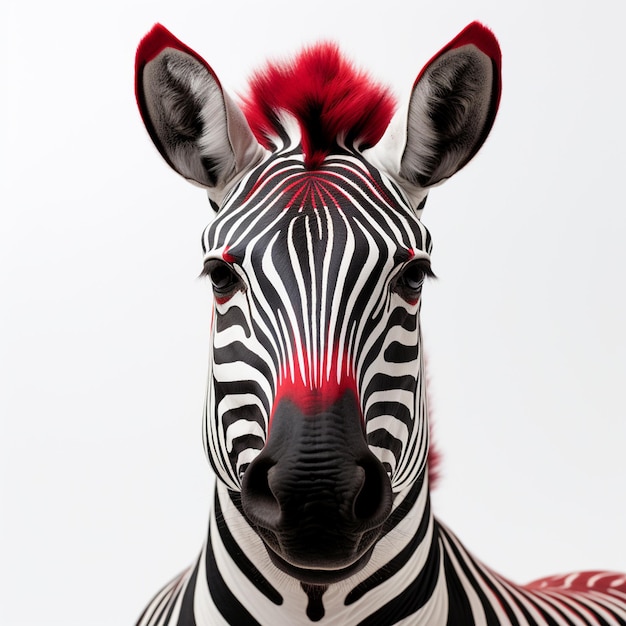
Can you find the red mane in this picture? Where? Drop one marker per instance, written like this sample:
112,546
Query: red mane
328,97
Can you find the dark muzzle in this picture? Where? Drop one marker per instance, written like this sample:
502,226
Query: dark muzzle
316,494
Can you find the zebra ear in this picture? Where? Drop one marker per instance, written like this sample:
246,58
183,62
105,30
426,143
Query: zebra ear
198,129
451,110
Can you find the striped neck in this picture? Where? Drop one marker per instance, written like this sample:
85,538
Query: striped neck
419,574
402,576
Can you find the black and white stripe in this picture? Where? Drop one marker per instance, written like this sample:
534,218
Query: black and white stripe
431,579
419,572
317,259
317,273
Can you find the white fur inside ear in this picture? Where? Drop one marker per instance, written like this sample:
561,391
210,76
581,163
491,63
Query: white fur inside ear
448,111
247,150
199,129
186,109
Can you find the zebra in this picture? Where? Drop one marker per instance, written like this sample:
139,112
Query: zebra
316,415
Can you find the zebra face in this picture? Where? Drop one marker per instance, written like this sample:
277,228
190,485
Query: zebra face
315,415
315,407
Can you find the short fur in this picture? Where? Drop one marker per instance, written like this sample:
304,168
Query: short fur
305,526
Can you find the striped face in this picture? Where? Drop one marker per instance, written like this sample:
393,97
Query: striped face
317,277
315,413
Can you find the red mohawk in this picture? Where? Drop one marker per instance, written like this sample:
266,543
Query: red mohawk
329,98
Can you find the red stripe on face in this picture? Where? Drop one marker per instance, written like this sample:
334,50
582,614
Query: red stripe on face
316,396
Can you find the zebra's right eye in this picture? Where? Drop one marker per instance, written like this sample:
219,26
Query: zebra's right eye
224,279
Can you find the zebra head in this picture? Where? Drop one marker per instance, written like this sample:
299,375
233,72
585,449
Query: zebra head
315,416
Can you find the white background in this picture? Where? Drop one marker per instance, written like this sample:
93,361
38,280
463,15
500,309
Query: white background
104,328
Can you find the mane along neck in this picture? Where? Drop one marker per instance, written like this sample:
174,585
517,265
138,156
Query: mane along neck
331,101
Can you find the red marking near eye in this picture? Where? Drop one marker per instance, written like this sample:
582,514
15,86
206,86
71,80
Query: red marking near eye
410,257
222,299
315,396
228,258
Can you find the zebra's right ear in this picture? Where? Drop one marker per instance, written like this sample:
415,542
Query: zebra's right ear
452,108
198,129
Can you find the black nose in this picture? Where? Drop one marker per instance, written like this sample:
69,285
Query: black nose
316,494
353,491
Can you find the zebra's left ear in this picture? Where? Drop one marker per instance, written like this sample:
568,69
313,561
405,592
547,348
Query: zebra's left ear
198,129
452,108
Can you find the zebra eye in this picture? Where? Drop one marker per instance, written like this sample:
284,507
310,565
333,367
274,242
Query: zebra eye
223,278
409,283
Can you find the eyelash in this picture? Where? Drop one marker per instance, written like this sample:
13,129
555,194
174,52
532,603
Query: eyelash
224,279
408,284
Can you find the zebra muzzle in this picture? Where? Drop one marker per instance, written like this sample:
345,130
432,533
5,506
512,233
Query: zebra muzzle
316,494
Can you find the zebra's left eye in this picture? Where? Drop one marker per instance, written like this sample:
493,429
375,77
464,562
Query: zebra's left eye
409,282
224,280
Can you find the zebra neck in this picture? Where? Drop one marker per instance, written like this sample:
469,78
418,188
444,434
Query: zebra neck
402,577
419,574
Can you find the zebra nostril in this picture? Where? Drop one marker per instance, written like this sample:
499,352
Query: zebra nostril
258,500
372,504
